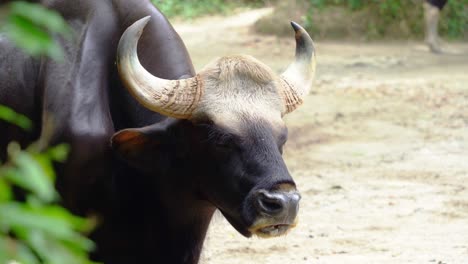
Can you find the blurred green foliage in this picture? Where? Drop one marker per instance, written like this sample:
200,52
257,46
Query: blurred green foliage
32,27
34,228
192,8
455,21
385,17
11,116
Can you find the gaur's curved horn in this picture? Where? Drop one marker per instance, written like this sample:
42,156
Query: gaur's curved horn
296,80
174,98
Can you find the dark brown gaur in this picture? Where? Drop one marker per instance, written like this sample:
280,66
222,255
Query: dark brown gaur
154,169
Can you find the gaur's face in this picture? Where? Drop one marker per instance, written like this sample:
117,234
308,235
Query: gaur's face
240,170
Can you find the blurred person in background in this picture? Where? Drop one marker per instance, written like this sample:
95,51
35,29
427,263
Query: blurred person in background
432,10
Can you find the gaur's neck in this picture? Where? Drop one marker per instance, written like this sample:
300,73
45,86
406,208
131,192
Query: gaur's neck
154,234
153,222
154,237
185,218
184,241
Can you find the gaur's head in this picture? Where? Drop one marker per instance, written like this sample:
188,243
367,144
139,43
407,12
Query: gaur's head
233,132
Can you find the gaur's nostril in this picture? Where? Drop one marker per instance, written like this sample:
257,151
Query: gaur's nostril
270,204
277,203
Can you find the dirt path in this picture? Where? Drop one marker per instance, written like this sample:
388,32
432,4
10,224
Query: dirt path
379,151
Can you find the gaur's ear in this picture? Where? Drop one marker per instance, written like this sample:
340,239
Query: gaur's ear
142,146
131,143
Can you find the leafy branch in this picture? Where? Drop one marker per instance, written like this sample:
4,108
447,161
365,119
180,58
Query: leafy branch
32,28
34,228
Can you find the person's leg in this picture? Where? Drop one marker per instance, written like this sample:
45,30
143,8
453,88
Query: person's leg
431,15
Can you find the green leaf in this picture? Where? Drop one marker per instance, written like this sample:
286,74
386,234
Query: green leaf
30,175
50,231
54,221
53,251
59,153
15,250
46,165
5,190
31,26
32,38
11,116
41,16
57,212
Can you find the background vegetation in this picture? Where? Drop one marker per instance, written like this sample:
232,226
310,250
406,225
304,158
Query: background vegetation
336,19
366,19
188,9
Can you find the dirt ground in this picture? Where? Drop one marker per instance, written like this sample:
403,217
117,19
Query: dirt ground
379,150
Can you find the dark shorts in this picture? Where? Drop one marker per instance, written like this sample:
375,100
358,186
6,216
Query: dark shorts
438,3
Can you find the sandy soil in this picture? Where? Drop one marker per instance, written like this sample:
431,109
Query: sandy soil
379,151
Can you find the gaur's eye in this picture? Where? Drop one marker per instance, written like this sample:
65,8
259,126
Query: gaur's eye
224,142
280,148
281,141
218,138
223,145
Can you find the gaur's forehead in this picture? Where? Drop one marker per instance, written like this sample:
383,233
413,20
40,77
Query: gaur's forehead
243,123
240,85
241,66
240,92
